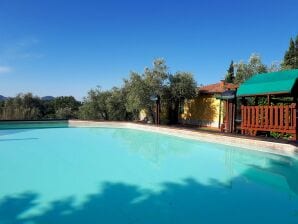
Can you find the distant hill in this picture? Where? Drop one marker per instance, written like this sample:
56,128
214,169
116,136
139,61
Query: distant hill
48,98
2,98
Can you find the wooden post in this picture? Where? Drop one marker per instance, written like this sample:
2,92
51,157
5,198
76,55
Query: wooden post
219,122
248,117
267,117
295,118
276,115
253,117
287,120
226,117
230,116
281,117
261,117
157,122
271,121
268,100
234,117
242,119
295,122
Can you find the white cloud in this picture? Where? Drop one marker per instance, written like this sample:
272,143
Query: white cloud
5,69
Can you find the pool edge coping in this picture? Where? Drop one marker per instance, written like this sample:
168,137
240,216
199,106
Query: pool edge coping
246,143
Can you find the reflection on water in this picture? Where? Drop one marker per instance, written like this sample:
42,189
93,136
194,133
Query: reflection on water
154,147
79,174
276,171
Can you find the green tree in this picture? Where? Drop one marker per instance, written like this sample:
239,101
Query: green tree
274,67
291,55
66,107
182,86
116,105
140,88
230,76
29,107
22,107
296,53
95,105
48,111
136,95
245,71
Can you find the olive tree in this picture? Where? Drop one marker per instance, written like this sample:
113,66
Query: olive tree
94,105
140,88
182,86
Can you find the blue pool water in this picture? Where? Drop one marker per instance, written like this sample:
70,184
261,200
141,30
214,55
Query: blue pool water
105,175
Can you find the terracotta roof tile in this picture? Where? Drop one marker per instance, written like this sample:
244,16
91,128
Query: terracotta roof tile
217,87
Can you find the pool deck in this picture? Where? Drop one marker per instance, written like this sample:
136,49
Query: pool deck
252,143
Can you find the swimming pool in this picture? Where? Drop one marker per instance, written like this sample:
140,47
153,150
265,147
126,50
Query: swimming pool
112,175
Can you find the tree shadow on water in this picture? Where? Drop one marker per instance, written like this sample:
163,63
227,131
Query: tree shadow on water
4,132
187,202
12,206
17,139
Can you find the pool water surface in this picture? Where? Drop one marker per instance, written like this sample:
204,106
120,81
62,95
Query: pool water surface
111,175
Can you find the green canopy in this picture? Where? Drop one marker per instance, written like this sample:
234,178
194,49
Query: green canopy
281,82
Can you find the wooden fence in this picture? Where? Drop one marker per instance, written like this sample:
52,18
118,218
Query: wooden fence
281,119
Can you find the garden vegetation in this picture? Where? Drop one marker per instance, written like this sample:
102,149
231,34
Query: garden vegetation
136,93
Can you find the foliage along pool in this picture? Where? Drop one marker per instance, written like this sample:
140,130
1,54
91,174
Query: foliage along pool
108,175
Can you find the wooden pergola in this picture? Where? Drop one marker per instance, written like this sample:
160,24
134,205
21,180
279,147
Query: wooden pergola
279,91
229,108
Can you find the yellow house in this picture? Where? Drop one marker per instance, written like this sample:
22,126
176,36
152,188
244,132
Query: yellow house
206,110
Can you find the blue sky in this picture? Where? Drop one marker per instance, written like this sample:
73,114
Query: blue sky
55,47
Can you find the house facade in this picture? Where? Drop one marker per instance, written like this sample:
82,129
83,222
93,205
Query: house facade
206,110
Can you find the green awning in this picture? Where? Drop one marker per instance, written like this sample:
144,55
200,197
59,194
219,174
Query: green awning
281,82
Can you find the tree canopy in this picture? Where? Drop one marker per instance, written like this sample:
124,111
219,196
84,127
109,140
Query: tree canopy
230,76
291,55
136,94
29,107
245,70
157,81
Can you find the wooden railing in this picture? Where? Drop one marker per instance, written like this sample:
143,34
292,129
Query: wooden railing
269,118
